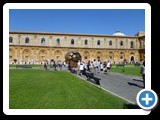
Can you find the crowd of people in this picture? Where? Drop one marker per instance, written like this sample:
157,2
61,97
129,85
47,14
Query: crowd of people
54,64
95,66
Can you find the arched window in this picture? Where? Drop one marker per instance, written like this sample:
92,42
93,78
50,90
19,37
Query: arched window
10,39
27,40
72,41
121,43
132,44
58,41
86,42
110,42
43,41
98,42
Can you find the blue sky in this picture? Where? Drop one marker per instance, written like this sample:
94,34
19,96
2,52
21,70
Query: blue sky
88,21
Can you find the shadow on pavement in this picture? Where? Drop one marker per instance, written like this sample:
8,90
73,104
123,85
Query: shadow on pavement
135,85
138,80
94,80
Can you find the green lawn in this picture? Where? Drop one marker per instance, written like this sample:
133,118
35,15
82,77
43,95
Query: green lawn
40,89
127,70
33,65
125,65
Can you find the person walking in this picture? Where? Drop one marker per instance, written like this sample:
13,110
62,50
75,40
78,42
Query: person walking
101,68
81,68
142,71
88,65
108,66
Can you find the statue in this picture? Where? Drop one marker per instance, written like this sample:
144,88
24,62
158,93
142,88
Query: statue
72,57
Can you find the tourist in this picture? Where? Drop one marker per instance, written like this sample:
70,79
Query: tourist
45,65
91,66
94,66
81,68
55,65
101,67
142,71
88,65
108,66
98,66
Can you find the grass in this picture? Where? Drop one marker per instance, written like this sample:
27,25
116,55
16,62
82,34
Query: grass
127,70
40,89
33,65
125,65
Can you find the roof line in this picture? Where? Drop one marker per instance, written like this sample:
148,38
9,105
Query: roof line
58,33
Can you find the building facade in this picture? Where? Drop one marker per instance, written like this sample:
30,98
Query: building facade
34,47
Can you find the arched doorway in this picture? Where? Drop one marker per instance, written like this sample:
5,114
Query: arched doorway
132,58
26,56
42,55
58,55
86,56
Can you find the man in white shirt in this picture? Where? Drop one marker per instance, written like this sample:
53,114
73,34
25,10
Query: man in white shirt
81,68
108,66
94,66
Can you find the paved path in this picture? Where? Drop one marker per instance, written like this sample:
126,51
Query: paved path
124,86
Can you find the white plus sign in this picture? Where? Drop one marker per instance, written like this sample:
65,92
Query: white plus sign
147,99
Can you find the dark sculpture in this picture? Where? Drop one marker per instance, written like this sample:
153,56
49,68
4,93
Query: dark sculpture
72,57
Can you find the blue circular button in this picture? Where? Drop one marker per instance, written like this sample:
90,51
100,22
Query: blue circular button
147,99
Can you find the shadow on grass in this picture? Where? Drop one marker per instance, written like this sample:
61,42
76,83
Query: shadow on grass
131,106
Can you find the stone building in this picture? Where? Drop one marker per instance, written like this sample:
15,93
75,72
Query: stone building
34,47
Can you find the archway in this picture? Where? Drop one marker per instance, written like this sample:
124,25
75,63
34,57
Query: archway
58,55
132,58
42,55
26,56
